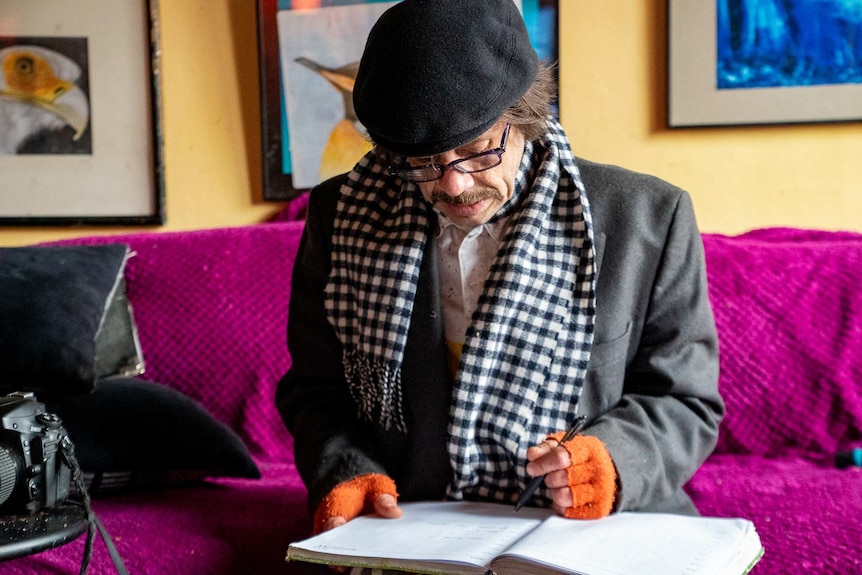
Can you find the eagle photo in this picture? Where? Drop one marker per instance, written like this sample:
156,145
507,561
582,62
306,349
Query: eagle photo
44,96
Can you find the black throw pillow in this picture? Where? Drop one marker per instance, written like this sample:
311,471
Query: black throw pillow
133,434
65,322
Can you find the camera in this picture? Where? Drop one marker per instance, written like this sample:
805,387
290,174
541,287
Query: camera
35,471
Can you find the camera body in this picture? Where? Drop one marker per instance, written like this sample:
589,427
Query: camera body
35,472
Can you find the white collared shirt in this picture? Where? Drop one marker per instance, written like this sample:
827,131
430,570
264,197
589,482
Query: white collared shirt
466,255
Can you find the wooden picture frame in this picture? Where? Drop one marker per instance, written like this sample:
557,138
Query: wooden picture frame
725,68
80,114
291,148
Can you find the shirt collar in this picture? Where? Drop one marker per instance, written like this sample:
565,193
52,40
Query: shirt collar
496,228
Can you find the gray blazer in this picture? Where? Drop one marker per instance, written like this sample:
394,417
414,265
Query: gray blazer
651,391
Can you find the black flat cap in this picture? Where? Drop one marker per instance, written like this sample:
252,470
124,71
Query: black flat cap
436,74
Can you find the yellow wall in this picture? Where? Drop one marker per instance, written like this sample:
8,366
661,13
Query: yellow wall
613,71
613,100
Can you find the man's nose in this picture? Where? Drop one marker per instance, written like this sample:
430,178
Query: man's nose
454,183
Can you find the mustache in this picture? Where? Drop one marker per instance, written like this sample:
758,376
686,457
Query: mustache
467,198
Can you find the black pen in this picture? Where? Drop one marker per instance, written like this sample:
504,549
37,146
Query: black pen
534,484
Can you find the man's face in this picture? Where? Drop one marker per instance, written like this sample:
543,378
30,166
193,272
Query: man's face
470,200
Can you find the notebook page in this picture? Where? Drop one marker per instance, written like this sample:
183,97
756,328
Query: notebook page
639,544
472,533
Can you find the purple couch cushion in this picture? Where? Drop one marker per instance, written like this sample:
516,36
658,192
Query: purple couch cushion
231,288
788,307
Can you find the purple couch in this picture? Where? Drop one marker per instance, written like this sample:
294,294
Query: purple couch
211,309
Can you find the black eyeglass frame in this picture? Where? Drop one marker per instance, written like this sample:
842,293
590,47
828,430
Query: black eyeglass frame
412,174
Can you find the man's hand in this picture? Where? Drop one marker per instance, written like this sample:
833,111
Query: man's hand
372,493
580,476
385,506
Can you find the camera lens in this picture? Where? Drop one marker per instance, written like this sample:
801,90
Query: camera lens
10,473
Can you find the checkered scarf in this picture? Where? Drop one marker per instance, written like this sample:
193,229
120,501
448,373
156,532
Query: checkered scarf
525,354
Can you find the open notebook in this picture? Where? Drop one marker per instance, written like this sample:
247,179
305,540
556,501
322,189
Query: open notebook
456,538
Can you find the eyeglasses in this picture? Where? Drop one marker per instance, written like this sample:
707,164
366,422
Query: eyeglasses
469,165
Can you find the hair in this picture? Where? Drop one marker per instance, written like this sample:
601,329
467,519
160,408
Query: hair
531,112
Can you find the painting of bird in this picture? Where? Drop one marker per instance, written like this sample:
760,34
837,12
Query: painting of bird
346,143
43,108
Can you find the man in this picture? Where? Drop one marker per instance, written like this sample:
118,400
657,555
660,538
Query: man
470,288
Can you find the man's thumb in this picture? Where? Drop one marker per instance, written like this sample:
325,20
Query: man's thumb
386,506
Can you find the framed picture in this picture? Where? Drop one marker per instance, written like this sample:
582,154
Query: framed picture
735,62
80,113
309,54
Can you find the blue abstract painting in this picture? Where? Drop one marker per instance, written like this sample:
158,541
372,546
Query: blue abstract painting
783,43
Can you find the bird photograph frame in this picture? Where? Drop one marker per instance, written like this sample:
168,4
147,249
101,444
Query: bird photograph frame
80,113
309,52
738,62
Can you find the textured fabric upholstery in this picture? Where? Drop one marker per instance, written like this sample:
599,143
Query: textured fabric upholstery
788,306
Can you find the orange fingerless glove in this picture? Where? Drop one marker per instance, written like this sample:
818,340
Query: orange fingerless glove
592,477
352,498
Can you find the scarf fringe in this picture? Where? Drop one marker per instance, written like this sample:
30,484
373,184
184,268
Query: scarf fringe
376,389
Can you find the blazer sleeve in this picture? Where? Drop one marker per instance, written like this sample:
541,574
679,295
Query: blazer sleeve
653,378
330,444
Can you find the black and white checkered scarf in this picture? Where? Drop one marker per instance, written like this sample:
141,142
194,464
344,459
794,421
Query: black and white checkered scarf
525,355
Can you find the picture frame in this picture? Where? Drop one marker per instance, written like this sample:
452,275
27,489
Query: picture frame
726,69
292,143
80,114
